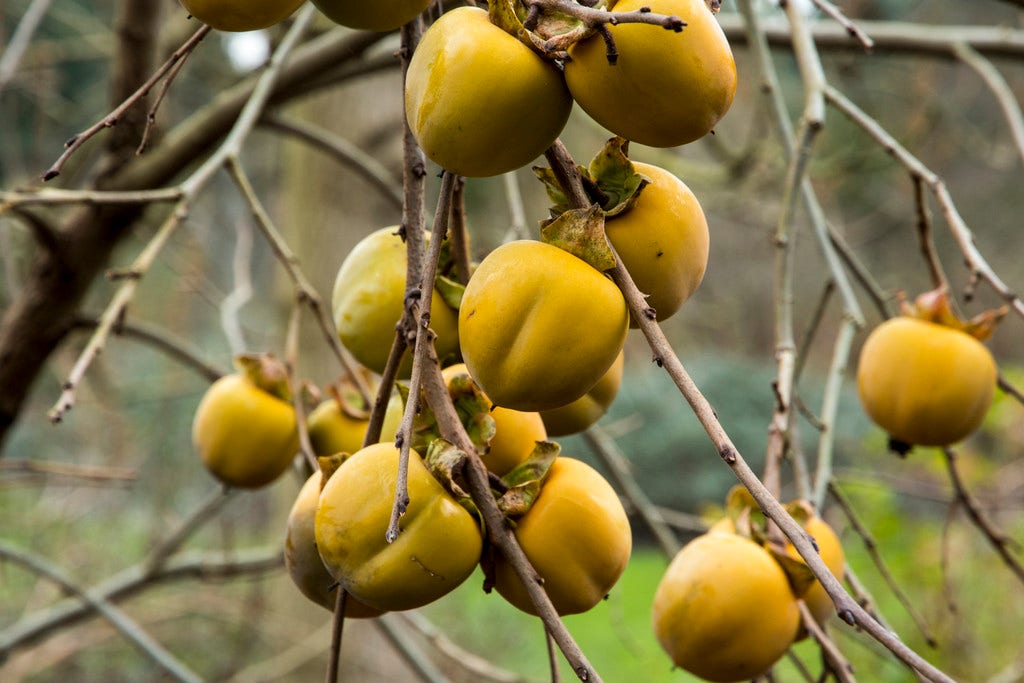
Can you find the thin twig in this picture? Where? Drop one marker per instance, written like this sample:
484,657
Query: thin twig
291,364
206,511
241,293
72,470
883,568
111,119
555,674
517,228
165,87
397,633
893,37
837,663
924,235
127,626
134,580
999,540
337,632
162,340
479,668
304,290
342,150
830,409
811,122
837,16
53,197
618,467
1008,103
959,228
424,337
115,311
458,232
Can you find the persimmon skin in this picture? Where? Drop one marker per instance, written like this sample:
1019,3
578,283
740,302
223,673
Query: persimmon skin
924,383
246,437
437,549
663,241
831,552
666,89
479,102
516,433
302,561
379,15
585,411
368,300
576,536
241,15
724,610
538,326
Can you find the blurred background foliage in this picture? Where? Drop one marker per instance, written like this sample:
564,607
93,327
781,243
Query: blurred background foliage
131,422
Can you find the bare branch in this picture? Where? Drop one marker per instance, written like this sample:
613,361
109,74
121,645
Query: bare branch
1000,89
127,626
342,150
111,119
999,540
22,38
134,580
883,568
961,232
162,340
837,16
618,467
890,36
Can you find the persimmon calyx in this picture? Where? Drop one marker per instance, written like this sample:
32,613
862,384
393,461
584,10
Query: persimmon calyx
934,306
266,372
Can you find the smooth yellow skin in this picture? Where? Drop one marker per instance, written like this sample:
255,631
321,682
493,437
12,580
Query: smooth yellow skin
576,536
516,433
924,383
245,436
724,610
831,552
241,15
437,549
379,15
588,408
667,88
368,301
480,102
663,241
332,431
301,559
539,327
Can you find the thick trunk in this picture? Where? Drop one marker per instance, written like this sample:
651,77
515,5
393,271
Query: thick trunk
46,306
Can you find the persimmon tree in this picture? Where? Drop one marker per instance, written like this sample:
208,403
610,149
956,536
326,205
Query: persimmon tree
129,216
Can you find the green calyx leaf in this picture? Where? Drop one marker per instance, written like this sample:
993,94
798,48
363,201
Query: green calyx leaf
471,405
350,402
526,480
473,409
445,462
613,187
581,233
451,291
615,177
547,32
329,464
799,575
266,372
559,202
